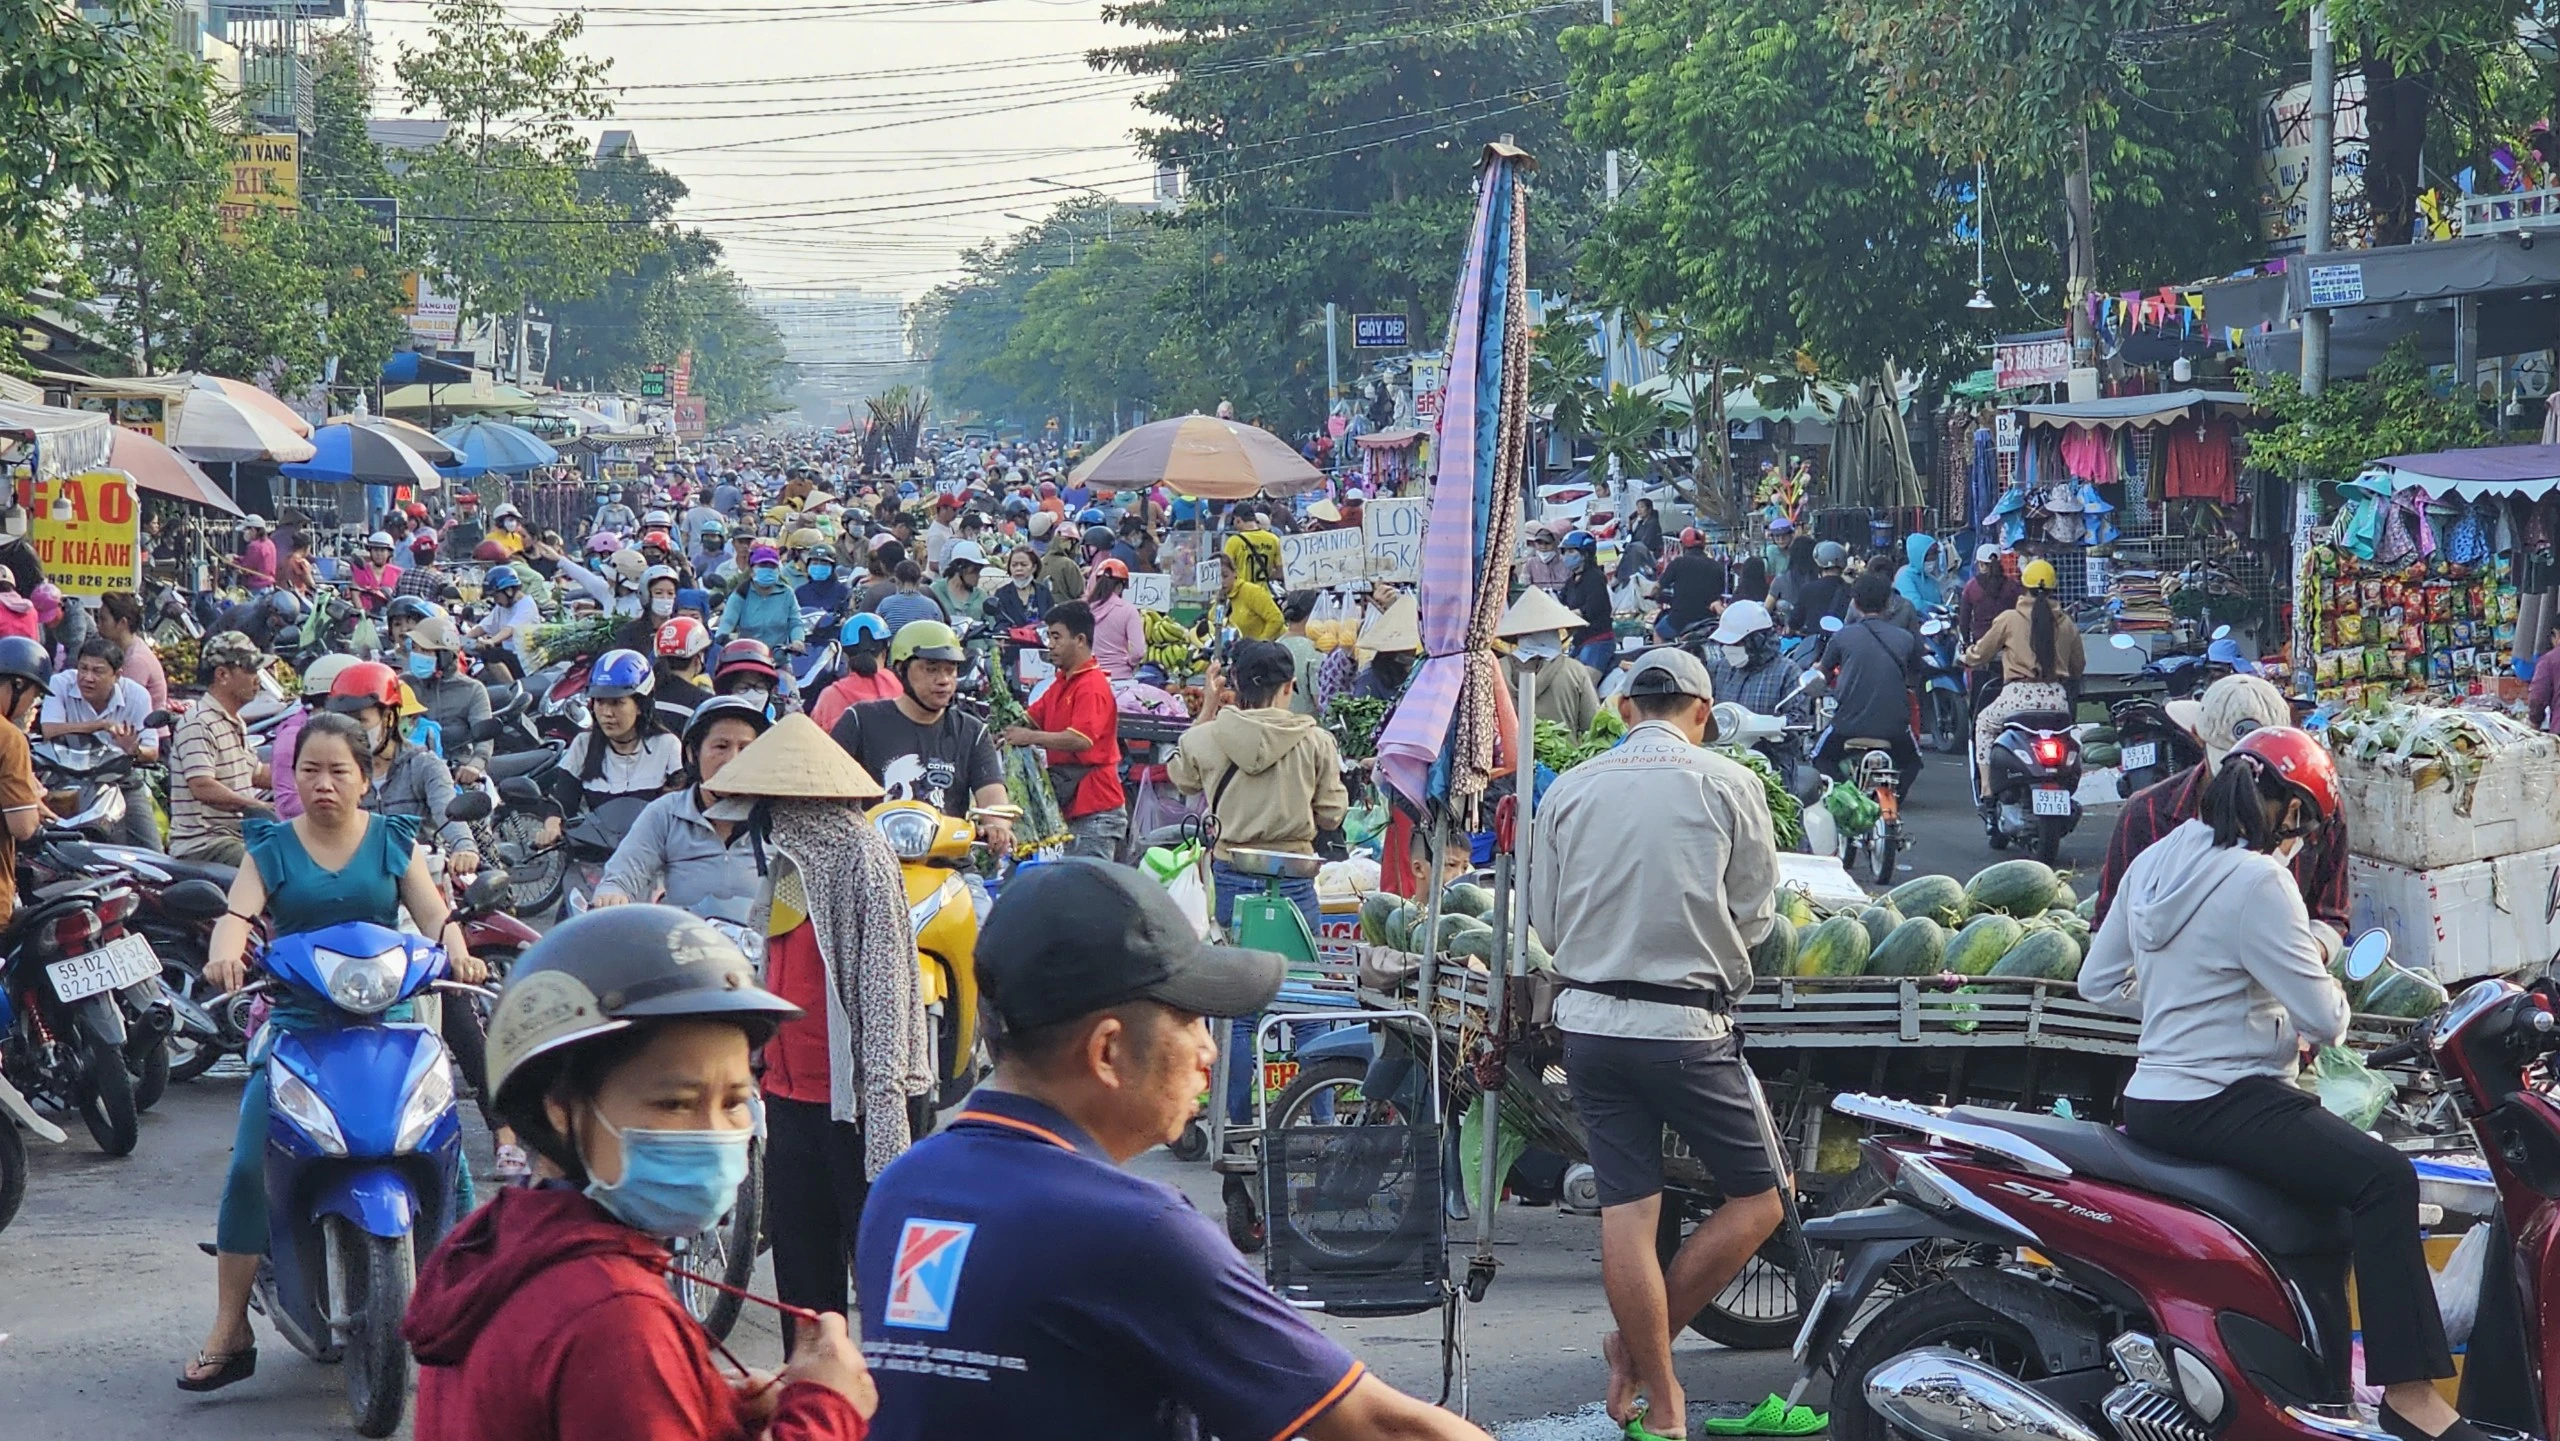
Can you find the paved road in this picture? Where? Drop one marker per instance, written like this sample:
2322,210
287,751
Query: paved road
103,1292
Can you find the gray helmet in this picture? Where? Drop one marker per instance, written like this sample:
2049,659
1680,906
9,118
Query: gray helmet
1830,555
599,972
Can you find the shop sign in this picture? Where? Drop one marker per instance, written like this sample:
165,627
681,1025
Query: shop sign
653,383
2335,285
692,417
266,174
2004,432
1315,559
435,319
2018,364
98,549
1378,332
146,413
1426,404
1392,526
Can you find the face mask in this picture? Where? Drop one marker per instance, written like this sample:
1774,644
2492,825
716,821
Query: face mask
2287,849
767,575
1541,647
1736,656
755,696
662,606
373,737
674,1183
1573,561
821,571
422,665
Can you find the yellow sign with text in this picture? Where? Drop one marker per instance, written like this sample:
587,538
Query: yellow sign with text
99,548
266,174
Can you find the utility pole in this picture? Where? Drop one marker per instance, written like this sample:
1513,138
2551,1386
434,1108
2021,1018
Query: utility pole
2080,214
1332,364
2324,144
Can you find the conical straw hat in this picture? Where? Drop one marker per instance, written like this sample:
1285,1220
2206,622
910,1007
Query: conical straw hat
1536,611
1399,627
797,761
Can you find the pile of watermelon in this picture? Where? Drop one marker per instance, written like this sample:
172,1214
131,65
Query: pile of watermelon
2016,918
1465,930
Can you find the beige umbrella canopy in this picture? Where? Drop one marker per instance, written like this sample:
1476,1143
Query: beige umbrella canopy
1203,457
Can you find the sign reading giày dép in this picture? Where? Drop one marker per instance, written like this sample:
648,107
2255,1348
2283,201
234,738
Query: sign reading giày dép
98,548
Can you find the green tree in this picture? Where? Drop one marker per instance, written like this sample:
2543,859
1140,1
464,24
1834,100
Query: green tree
633,319
1564,373
89,96
739,367
1624,427
2394,409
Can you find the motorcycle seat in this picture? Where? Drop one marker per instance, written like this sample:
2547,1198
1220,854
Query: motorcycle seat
2040,720
521,763
1866,743
2274,1221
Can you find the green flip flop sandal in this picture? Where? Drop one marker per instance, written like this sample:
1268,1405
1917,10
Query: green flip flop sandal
1637,1431
1772,1417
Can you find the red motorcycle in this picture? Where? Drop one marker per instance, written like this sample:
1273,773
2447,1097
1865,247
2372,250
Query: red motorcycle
2062,1282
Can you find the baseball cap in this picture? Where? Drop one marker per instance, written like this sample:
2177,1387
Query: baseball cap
1259,665
2231,708
1072,937
764,555
231,647
1669,670
1742,618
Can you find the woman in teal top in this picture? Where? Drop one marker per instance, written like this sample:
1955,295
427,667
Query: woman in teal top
335,862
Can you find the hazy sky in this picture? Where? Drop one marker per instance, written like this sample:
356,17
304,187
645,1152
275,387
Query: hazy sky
853,143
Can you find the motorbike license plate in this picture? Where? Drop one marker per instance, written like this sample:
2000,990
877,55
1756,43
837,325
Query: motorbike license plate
2052,801
2138,757
125,961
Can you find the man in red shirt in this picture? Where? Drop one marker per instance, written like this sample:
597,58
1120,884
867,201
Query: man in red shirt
1077,720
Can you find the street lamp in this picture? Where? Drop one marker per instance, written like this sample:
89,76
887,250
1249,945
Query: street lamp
1981,295
1109,205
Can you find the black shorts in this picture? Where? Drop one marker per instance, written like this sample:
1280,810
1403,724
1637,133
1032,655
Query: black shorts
1627,1091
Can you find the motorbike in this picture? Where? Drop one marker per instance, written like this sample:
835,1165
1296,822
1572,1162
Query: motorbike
2112,1292
364,1150
2034,765
1946,716
932,849
176,905
587,843
1781,741
14,1114
2154,746
80,772
82,1008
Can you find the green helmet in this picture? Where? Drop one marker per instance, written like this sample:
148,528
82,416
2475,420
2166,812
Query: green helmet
926,640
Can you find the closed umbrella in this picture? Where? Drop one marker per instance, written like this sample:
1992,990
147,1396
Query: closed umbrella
163,471
417,437
362,453
493,445
216,425
1201,456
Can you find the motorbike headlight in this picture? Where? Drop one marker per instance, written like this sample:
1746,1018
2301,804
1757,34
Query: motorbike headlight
292,1099
430,1096
366,984
909,833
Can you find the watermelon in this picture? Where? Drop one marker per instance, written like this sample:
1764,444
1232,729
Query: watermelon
2101,755
2020,888
1465,899
1981,944
1473,945
1375,910
1776,953
1880,920
1917,947
2064,897
1451,927
1940,898
2398,991
2049,955
1837,947
1398,929
1795,906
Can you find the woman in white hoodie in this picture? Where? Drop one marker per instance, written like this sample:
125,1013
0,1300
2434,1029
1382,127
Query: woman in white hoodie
2210,944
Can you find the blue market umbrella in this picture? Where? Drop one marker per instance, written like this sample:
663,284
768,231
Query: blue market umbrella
363,454
486,445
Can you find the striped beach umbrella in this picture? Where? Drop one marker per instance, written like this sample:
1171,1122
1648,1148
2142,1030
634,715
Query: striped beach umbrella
1201,456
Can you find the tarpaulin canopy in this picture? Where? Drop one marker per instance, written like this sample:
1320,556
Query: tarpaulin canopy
410,368
2135,410
2437,270
66,442
2529,471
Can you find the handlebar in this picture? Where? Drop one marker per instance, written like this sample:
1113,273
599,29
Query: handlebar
461,989
2399,1055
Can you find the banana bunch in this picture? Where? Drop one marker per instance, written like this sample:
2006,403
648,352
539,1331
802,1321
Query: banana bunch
1171,644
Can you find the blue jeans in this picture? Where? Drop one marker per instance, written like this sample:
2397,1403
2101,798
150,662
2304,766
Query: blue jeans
1244,1069
1600,655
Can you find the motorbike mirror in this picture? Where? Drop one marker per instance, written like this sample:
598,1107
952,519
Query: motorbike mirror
1729,721
469,806
1832,623
157,719
2368,955
485,891
2121,641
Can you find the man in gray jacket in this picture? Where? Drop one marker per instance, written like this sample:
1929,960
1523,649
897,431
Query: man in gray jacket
1655,872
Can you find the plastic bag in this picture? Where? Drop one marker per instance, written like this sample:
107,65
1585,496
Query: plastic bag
1179,870
2346,1088
1854,810
2458,1285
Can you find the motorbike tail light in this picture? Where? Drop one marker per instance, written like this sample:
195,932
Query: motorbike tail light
2050,750
73,933
114,906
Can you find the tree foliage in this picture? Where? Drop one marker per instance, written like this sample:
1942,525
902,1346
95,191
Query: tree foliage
89,97
2394,409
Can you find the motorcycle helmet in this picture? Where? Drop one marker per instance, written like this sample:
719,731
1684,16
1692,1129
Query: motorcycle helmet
745,657
656,520
658,572
324,672
1098,537
1092,515
506,512
629,565
1691,539
720,708
503,578
863,627
1830,555
379,540
409,609
682,637
363,684
599,973
927,640
619,673
2297,764
2039,575
1582,540
435,633
603,542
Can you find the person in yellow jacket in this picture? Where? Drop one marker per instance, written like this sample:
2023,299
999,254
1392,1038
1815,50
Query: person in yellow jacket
1250,608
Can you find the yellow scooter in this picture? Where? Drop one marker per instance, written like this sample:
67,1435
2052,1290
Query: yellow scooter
932,849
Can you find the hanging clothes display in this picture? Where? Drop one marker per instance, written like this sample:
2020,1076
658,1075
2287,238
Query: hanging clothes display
2089,453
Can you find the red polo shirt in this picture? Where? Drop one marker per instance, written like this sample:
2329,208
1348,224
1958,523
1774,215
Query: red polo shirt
1081,701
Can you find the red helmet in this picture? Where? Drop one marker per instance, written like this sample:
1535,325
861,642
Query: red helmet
2297,762
745,657
683,637
1691,540
366,683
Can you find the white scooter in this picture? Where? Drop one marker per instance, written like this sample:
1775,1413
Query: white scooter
14,1113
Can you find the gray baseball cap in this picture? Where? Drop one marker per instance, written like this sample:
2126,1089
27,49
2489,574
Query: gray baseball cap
1669,670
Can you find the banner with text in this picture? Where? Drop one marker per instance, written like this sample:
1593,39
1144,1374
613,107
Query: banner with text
98,549
1315,559
266,174
1393,527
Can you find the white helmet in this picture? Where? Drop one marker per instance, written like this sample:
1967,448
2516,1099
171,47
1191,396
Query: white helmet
379,540
1742,620
630,565
506,512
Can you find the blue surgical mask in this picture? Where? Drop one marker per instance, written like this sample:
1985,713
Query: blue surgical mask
674,1183
422,664
821,570
767,574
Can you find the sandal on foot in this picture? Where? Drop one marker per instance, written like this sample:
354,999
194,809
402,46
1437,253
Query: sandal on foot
1772,1417
239,1365
1637,1431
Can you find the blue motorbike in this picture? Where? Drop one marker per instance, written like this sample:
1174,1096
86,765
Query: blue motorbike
1946,714
364,1152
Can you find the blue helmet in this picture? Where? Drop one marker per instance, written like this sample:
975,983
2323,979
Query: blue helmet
503,577
1092,515
619,673
1582,540
863,626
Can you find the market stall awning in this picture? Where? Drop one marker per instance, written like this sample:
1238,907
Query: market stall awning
1391,438
461,399
2138,411
2436,270
2529,471
162,471
1201,456
486,445
66,442
410,368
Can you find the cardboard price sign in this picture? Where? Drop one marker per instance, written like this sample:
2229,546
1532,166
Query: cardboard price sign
1151,590
1315,559
99,548
1393,528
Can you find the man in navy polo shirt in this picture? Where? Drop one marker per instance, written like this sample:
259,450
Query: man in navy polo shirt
1015,1281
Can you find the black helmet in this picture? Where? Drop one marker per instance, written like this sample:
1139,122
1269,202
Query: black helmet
720,708
23,659
1099,536
599,972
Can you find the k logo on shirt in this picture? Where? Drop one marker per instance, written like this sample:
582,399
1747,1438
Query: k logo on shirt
926,1276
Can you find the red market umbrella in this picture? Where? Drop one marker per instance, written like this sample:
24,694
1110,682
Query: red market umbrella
162,471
